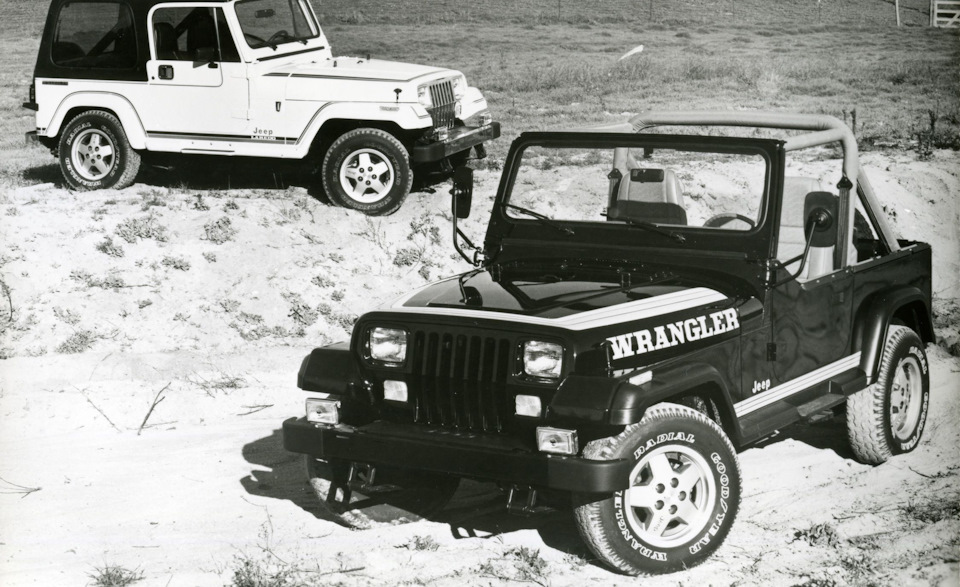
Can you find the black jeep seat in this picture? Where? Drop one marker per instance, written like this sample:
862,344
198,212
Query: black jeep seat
165,37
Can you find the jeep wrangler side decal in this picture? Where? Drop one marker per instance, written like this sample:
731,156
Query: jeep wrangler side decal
804,382
673,334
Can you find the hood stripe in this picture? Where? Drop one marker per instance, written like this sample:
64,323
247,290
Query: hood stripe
621,313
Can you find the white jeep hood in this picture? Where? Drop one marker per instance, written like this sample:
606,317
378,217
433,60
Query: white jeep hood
358,69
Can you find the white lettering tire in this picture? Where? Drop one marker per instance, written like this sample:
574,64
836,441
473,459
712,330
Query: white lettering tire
888,417
95,154
683,497
397,496
368,170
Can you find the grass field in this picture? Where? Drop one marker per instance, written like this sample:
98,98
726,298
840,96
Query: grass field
562,74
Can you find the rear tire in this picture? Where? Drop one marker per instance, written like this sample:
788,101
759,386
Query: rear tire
368,170
888,417
683,498
398,495
95,154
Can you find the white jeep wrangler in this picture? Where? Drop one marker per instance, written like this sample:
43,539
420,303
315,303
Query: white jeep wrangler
116,79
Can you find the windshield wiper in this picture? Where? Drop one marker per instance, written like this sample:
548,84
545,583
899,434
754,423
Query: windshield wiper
545,220
649,226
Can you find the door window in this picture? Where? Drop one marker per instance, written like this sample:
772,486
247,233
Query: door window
191,34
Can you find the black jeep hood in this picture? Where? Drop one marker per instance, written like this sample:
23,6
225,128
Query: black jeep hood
551,296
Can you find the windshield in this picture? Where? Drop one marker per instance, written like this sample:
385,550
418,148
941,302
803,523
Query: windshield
640,187
270,23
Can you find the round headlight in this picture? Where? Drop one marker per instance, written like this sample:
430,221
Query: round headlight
388,345
423,96
542,359
459,87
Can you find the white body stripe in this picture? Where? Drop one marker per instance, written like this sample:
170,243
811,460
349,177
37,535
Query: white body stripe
785,390
619,314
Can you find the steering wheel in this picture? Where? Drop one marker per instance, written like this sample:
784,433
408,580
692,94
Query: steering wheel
278,36
721,219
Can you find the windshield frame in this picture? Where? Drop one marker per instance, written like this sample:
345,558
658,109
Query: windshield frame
306,10
507,230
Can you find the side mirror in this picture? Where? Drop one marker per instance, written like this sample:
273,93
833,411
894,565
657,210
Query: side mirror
462,192
820,209
820,228
205,55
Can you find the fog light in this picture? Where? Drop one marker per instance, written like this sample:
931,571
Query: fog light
485,118
557,440
323,411
528,405
395,391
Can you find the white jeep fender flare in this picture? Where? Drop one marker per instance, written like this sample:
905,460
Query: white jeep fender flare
406,116
120,106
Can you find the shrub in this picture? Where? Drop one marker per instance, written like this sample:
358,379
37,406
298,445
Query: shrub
145,227
220,231
176,263
109,248
114,576
78,342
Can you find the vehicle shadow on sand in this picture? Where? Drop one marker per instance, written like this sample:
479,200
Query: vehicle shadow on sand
826,431
478,510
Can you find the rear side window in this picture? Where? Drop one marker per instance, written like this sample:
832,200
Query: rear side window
95,35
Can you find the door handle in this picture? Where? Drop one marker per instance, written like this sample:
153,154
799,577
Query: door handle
165,72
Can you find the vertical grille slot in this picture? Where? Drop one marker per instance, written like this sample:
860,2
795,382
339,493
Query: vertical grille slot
459,381
443,111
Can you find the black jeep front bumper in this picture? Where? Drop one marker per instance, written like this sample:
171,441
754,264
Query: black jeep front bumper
382,443
459,139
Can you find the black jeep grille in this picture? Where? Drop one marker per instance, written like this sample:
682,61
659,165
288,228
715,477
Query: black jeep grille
458,381
444,110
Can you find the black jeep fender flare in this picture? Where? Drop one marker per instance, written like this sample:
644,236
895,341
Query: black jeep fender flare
328,370
618,402
907,304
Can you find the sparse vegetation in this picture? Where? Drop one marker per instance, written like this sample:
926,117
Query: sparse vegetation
421,543
114,576
211,257
823,534
931,512
78,342
112,280
301,313
219,231
322,281
146,227
178,263
109,248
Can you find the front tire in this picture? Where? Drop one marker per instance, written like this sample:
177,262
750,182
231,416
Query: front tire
888,417
683,495
368,170
95,153
396,496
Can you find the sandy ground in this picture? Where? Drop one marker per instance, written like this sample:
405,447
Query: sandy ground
204,489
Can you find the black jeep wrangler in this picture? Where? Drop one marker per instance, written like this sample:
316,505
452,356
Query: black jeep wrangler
643,305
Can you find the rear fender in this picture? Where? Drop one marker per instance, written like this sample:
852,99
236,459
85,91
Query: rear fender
904,304
115,103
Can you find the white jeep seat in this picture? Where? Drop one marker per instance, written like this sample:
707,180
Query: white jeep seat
654,195
792,239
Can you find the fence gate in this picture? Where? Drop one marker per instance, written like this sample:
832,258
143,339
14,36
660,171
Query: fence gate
945,13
